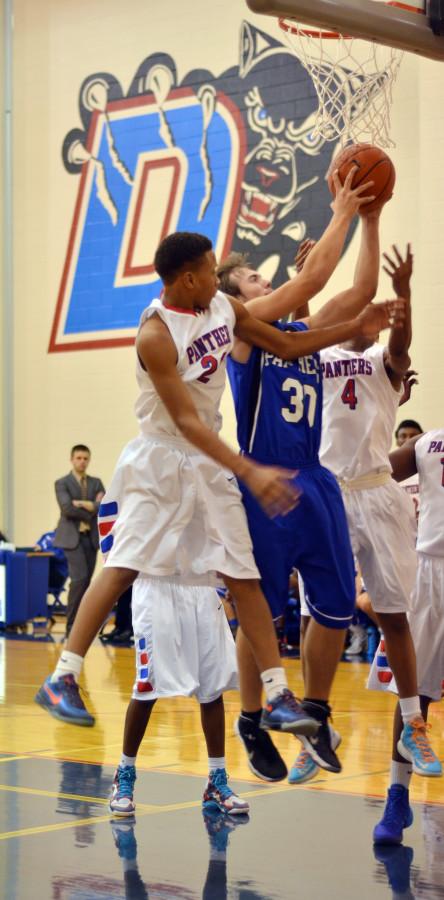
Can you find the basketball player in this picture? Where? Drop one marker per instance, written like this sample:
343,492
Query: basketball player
407,429
184,647
171,511
362,387
279,410
421,455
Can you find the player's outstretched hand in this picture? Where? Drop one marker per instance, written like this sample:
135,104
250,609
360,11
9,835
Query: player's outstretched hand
274,488
400,270
303,251
348,201
407,383
377,316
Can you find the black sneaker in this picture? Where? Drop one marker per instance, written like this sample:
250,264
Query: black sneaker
319,747
264,759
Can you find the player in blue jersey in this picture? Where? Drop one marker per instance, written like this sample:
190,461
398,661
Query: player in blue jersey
279,415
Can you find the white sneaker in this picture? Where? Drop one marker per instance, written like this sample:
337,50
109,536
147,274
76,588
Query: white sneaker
358,643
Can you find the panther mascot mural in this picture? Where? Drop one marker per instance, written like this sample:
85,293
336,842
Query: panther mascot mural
235,156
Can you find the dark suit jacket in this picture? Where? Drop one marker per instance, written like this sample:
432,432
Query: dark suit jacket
68,489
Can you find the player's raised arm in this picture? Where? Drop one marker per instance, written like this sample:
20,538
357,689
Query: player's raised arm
292,344
350,302
396,356
321,262
403,460
157,352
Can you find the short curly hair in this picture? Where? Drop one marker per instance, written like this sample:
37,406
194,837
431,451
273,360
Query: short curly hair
177,250
226,269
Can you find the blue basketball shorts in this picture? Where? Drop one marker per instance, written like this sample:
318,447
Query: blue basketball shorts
314,539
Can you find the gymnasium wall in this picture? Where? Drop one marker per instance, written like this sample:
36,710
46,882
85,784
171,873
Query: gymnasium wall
82,245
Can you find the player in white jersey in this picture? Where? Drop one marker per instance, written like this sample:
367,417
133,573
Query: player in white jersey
362,387
172,510
407,429
422,455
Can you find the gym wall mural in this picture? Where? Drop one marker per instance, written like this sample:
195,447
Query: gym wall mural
234,156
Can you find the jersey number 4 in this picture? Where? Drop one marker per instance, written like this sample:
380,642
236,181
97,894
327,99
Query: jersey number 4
294,411
348,395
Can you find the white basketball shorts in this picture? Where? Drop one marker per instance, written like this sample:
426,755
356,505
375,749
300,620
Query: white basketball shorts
174,513
426,620
383,532
184,646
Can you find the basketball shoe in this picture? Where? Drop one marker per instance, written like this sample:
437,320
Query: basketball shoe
218,795
264,758
397,816
319,746
414,746
304,767
121,801
285,713
62,699
358,641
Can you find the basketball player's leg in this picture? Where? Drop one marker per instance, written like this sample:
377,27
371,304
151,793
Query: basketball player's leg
325,562
264,758
400,651
138,714
217,793
59,694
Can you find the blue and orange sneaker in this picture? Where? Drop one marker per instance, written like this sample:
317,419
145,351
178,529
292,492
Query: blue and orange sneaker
414,745
121,802
304,767
397,816
62,699
218,795
285,713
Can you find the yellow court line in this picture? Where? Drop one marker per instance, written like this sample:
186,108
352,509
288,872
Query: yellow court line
30,755
16,789
143,810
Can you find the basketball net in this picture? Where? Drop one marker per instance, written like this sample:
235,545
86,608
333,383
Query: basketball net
353,80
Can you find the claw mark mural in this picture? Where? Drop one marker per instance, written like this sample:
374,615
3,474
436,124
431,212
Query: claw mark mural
234,156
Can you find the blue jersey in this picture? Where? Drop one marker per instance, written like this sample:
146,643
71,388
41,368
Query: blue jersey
278,405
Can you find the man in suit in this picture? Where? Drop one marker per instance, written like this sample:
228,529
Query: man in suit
78,496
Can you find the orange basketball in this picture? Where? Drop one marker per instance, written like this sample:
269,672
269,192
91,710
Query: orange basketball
372,164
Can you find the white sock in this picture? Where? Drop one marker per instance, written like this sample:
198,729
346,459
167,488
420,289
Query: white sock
216,762
68,664
127,760
274,681
401,773
410,708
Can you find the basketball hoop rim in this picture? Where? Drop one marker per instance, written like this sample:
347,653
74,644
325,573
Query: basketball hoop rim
319,34
285,25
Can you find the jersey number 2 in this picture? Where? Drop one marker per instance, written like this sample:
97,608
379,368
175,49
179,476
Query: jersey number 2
295,409
348,395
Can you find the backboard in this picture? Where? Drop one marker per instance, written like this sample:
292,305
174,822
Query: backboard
406,26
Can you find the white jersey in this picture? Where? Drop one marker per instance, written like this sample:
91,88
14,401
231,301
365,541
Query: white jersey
411,487
429,451
203,340
359,411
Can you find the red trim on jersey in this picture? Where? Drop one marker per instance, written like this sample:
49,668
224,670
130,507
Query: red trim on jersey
179,309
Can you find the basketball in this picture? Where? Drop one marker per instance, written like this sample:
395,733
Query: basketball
373,164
